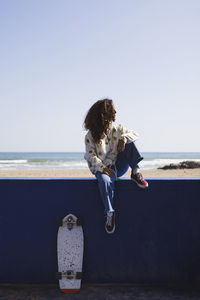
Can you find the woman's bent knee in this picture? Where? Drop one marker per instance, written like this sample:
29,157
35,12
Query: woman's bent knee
103,178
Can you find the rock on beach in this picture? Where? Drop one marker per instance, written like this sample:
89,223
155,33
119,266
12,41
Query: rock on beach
188,164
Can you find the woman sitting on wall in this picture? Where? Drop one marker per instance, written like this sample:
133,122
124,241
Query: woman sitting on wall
110,151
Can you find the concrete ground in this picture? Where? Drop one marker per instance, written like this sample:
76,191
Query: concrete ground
98,292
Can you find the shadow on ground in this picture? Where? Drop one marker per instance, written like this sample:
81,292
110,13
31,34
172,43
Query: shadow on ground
98,292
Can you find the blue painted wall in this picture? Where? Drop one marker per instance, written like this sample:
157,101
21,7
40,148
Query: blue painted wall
157,237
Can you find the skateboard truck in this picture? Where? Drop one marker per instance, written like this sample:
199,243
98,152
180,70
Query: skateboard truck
70,222
69,275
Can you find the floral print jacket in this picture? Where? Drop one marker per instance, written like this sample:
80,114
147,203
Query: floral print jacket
104,154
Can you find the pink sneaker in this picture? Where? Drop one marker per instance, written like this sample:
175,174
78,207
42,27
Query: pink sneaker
139,180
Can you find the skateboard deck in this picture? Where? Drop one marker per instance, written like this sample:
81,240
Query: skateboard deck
70,254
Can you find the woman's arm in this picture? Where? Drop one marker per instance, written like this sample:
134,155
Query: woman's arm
126,135
94,162
121,145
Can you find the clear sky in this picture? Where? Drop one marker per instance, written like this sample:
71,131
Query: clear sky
59,57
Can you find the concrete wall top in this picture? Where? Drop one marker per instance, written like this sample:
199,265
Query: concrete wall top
92,178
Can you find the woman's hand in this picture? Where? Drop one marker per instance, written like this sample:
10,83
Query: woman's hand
121,146
108,172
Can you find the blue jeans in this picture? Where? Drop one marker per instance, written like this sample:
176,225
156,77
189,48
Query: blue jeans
130,157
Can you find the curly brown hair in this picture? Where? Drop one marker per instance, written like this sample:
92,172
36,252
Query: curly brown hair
99,117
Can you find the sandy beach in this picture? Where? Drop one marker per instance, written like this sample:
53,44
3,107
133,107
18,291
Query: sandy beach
86,173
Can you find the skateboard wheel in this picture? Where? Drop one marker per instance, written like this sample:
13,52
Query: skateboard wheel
59,222
78,222
58,275
79,275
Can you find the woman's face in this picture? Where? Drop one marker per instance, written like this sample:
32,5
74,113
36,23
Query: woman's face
114,114
111,113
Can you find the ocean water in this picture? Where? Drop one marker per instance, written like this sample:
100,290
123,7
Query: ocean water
75,160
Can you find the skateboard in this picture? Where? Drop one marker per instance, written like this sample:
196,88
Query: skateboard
70,244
